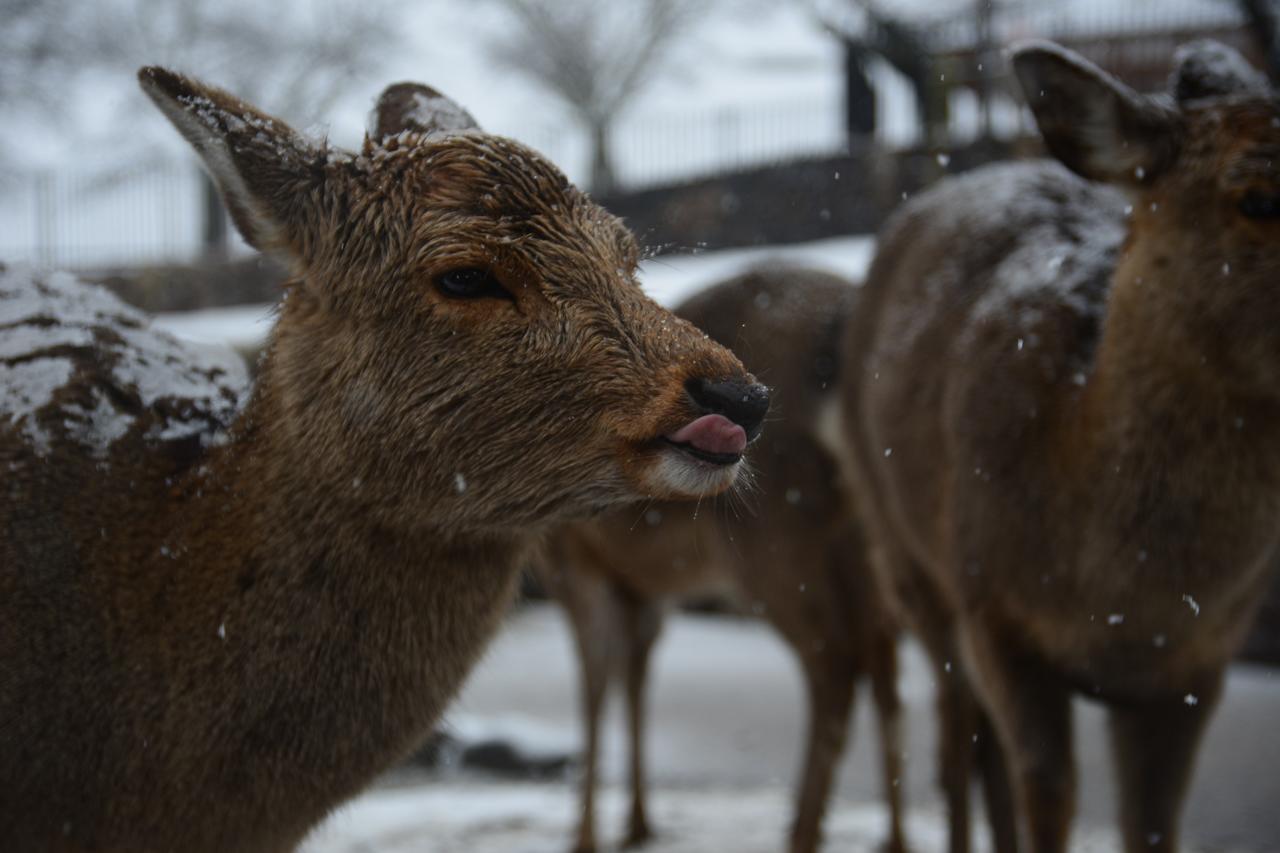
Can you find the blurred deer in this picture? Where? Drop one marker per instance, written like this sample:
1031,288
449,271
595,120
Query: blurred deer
218,622
788,550
1062,406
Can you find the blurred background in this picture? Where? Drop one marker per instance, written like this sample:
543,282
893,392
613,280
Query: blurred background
723,131
689,117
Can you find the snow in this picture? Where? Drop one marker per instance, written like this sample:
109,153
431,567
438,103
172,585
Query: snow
240,327
727,713
1067,239
440,114
21,340
670,279
471,817
528,818
97,428
55,327
537,739
26,388
26,296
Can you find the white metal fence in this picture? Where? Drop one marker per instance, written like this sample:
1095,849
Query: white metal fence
70,219
155,214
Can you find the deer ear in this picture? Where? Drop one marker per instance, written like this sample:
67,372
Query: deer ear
1209,69
417,108
265,169
1097,126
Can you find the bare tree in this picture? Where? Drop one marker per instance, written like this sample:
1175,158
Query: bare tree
594,56
296,56
35,49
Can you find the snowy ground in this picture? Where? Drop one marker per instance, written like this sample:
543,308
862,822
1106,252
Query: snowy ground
527,818
726,722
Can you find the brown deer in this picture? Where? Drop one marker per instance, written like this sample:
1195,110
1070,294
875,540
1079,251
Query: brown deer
217,623
1062,407
788,550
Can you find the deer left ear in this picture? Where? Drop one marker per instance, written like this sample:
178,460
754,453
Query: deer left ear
419,109
269,175
1094,124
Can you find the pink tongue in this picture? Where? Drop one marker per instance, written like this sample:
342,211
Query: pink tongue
712,434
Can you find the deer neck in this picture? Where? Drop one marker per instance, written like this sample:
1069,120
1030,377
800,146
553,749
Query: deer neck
322,527
323,614
1166,398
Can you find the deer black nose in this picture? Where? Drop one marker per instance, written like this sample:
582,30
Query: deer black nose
744,403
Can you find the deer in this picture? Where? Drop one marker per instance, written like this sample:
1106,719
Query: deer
787,549
1061,415
223,613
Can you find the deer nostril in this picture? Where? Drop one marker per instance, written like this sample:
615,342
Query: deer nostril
744,403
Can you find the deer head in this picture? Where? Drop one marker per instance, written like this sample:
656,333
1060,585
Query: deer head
464,335
1202,168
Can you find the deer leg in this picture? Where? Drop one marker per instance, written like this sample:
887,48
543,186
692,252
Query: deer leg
1154,745
830,688
643,623
884,684
1031,713
930,620
592,607
996,788
956,716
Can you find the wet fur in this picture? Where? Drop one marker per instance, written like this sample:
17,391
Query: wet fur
210,649
1084,482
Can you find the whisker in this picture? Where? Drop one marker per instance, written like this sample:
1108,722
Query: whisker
644,510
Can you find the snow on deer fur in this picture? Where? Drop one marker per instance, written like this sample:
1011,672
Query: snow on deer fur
222,616
52,321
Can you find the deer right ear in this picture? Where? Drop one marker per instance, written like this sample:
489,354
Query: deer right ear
1208,69
265,170
1097,126
417,108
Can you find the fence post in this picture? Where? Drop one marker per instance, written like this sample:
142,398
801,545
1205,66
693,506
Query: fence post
214,215
727,139
46,249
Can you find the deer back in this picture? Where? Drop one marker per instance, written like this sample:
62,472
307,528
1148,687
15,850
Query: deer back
1044,386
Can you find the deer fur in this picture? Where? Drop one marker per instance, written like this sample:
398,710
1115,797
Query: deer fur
218,622
786,549
1062,406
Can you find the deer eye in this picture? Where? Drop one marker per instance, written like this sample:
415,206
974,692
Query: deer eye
1260,205
471,283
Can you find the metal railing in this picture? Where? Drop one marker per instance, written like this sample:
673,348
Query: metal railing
153,214
77,219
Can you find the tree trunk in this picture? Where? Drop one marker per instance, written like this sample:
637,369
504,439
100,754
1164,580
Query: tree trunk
859,99
1264,24
602,179
984,56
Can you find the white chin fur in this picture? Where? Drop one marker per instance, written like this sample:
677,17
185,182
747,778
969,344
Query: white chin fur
677,475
